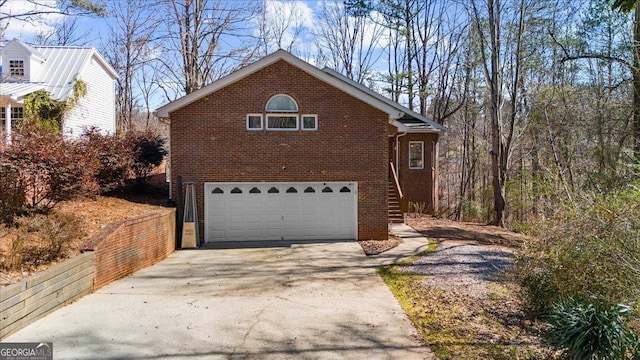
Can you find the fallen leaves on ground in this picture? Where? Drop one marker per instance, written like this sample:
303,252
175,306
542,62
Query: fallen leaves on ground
465,306
92,216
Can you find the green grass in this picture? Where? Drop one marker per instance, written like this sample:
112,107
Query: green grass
446,321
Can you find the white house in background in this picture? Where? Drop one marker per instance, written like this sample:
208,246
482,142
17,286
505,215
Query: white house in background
28,68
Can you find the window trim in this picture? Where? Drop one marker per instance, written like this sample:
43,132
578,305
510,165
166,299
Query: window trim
421,155
297,118
433,155
315,122
266,106
261,122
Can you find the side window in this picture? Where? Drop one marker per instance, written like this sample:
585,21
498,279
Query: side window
416,155
309,122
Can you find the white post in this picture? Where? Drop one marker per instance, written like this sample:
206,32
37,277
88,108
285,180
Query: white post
7,124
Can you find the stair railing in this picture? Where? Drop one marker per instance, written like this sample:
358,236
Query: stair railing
397,189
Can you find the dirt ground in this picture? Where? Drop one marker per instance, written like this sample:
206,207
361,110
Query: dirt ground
466,303
92,216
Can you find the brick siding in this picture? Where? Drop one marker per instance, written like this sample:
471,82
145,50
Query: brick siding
419,185
124,247
210,142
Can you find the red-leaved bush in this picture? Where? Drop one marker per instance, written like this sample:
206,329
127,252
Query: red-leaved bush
39,168
12,192
114,155
148,152
50,169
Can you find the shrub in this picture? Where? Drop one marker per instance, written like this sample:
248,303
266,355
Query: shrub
592,330
115,157
593,253
148,152
14,256
44,238
50,168
12,191
471,210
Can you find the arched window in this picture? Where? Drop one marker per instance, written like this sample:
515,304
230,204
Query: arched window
282,113
282,104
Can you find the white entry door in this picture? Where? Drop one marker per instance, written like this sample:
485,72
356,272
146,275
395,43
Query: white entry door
280,211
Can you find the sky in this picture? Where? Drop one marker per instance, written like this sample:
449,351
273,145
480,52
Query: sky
97,28
27,30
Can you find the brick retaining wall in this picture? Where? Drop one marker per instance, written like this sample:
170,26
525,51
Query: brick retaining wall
127,246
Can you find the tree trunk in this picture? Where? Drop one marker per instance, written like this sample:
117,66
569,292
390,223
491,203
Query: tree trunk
496,96
636,82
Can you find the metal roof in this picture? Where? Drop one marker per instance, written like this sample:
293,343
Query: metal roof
18,90
61,67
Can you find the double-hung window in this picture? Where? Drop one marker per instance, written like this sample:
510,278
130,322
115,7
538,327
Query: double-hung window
17,116
416,155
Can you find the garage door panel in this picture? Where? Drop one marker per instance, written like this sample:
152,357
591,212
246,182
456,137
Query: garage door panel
275,211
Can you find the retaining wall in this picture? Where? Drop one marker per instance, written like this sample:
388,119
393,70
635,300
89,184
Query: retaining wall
36,296
117,250
127,246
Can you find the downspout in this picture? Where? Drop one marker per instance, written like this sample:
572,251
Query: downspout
398,152
167,167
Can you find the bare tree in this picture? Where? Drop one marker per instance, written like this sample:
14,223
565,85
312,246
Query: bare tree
633,6
129,48
66,32
350,43
40,8
203,39
502,65
280,26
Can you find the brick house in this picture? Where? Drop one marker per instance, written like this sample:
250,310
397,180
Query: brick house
282,150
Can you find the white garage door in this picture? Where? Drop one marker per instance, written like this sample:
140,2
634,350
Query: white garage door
280,211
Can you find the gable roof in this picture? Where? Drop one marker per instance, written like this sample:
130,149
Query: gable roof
426,125
26,48
394,110
60,69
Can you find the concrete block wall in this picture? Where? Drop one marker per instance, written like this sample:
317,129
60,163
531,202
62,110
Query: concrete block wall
124,247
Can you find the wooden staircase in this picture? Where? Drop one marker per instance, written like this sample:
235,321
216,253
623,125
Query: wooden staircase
395,212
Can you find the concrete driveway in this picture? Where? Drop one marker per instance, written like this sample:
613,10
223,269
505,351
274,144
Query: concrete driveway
301,301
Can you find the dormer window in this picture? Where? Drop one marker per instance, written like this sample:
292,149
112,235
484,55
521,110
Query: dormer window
16,68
